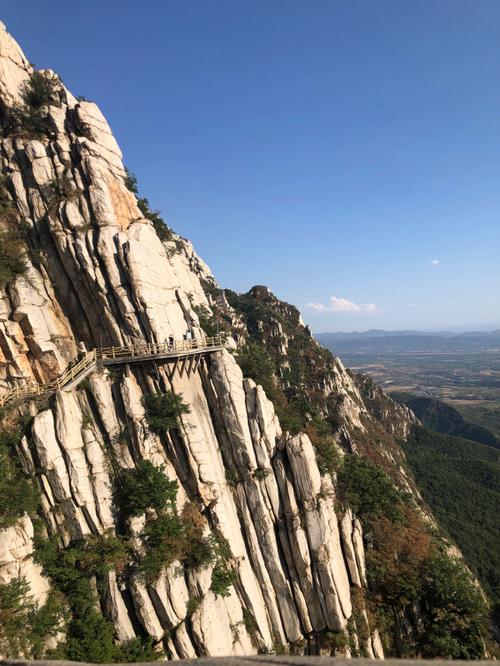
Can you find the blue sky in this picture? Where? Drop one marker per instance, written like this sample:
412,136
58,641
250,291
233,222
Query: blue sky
331,150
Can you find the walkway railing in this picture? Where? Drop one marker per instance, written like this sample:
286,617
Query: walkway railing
172,348
86,363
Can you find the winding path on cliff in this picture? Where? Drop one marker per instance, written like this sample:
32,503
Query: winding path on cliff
182,351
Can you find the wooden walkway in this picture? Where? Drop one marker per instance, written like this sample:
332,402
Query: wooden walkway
88,362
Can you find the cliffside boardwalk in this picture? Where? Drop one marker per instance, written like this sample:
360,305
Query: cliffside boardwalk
136,353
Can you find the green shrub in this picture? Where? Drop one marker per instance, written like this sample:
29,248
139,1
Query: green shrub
232,476
201,551
25,627
453,611
143,487
15,609
163,411
260,473
131,181
167,537
222,578
171,537
222,575
210,289
58,191
45,623
334,641
213,323
192,605
104,552
18,494
139,650
256,363
163,231
12,262
164,543
11,435
328,456
89,635
207,320
250,622
26,122
367,489
87,419
30,118
40,90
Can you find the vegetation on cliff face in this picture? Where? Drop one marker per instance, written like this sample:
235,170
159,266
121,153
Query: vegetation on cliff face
368,491
443,418
12,241
158,522
25,627
163,231
29,118
143,487
293,369
460,480
167,535
300,362
408,569
302,378
163,411
12,263
78,571
410,573
74,572
18,495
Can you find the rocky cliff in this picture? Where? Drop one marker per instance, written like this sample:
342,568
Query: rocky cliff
84,265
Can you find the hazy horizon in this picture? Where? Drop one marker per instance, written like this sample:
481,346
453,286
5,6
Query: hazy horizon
486,328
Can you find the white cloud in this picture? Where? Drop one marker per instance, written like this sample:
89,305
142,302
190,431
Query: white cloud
435,262
337,304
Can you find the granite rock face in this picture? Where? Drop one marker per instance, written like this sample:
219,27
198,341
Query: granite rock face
97,275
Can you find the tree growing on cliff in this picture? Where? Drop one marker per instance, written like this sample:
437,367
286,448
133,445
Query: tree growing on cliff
30,119
164,410
143,487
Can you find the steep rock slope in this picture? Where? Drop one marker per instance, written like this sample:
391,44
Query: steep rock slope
250,548
97,274
319,389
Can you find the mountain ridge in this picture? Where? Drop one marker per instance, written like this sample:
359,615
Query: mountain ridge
400,341
378,332
168,510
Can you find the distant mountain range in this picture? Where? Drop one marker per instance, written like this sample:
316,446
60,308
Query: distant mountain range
380,341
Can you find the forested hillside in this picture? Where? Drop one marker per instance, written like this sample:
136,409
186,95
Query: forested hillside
460,480
444,418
